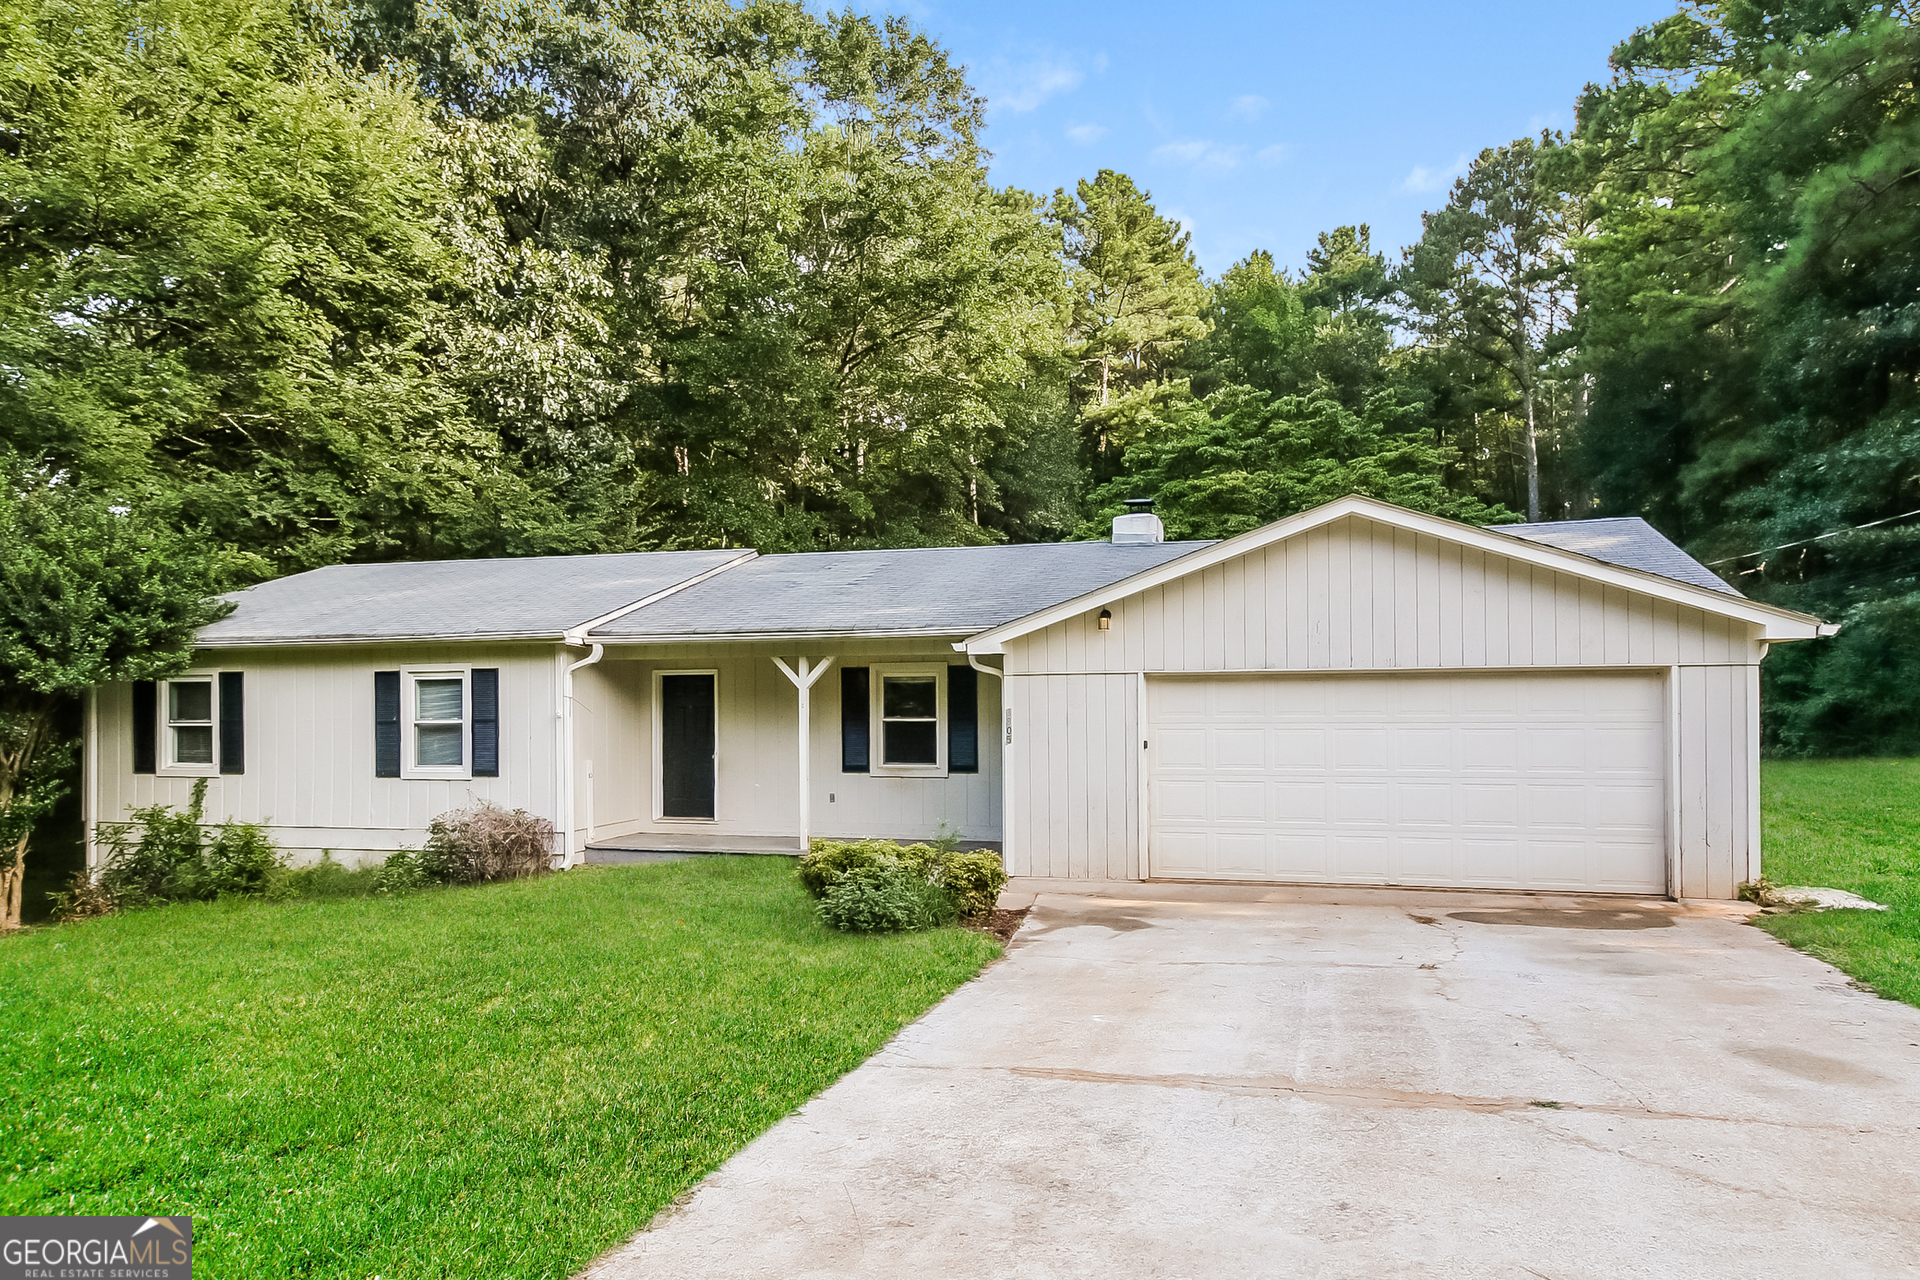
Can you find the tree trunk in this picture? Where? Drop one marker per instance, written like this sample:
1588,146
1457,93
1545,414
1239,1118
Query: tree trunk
13,877
1533,460
26,730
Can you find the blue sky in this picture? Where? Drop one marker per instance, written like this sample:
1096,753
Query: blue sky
1259,126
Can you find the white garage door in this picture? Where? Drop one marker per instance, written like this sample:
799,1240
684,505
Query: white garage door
1496,781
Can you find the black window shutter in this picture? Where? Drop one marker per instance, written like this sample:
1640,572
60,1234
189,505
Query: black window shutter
486,722
963,720
855,728
386,724
233,722
146,725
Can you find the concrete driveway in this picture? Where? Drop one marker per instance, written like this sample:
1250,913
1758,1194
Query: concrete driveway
1213,1082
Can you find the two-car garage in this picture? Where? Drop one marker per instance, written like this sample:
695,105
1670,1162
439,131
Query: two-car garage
1511,780
1362,694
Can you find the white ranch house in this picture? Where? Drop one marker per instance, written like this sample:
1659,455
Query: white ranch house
1358,694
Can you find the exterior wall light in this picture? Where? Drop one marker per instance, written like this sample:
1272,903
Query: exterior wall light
1106,619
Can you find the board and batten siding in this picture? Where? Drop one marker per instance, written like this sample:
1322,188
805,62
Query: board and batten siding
309,749
1360,595
757,796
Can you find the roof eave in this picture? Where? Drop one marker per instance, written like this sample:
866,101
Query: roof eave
442,637
744,637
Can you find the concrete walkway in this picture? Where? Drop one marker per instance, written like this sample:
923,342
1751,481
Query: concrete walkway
1170,1081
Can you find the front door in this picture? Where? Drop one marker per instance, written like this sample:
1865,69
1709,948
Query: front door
686,746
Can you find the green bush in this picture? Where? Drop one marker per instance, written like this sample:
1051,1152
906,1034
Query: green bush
975,879
967,881
175,857
402,872
885,898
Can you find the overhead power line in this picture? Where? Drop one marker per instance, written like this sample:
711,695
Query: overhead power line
1819,537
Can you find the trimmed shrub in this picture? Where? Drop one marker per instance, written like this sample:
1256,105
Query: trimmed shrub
885,898
967,882
975,878
486,842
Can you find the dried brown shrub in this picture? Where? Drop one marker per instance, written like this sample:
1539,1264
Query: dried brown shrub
487,842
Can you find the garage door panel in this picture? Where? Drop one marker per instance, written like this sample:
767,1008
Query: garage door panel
1181,748
1180,802
1367,803
1364,749
1624,750
1429,749
1298,748
1361,859
1235,802
1556,750
1499,781
1426,859
1291,802
1490,804
1240,748
1493,750
1492,864
1427,804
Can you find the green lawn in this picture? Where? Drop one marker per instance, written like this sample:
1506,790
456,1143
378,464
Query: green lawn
500,1081
1849,824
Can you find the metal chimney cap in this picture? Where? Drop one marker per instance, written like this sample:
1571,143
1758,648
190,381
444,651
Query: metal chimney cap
1137,506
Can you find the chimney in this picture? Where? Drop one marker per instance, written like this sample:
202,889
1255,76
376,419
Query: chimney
1139,524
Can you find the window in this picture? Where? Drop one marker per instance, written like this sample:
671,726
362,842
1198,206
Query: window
437,714
909,709
189,732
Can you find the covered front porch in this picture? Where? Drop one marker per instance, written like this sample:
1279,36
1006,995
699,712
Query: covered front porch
756,747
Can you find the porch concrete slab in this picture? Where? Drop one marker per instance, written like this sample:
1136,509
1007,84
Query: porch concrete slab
1433,1086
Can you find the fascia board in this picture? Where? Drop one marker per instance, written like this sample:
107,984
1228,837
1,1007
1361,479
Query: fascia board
755,637
1777,624
318,642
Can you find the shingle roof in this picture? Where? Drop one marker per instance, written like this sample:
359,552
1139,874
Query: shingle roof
1627,541
922,591
537,596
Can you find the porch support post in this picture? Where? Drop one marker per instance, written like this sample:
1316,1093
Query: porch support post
803,681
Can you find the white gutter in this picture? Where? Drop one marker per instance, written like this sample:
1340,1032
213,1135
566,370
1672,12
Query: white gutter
568,800
803,681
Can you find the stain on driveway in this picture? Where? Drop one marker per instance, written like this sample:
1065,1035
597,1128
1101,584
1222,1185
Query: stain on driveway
1379,1086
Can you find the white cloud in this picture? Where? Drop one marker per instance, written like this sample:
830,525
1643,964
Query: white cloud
1424,179
1020,87
1248,106
1201,154
1086,134
1179,217
1274,154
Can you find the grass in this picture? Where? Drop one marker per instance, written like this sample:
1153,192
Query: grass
501,1081
1849,824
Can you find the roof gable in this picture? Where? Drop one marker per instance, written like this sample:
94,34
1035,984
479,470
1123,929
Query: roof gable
1776,623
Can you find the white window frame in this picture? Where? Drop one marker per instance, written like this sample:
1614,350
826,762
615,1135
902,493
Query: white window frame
169,765
659,743
410,677
877,727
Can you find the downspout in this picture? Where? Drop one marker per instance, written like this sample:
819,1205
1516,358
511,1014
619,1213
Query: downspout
567,798
803,682
90,819
1005,730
